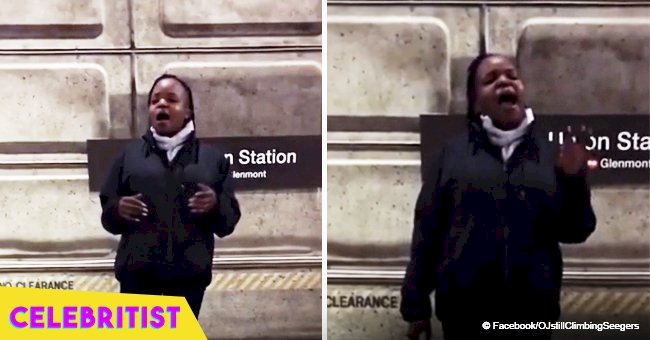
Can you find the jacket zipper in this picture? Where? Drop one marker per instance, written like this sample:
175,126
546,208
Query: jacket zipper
506,229
170,247
507,269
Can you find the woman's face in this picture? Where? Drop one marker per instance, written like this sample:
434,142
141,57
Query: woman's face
168,107
500,92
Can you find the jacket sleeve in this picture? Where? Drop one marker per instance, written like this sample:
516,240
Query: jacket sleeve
109,196
223,219
426,247
576,218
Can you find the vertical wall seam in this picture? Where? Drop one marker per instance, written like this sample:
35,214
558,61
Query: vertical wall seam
131,28
483,29
132,56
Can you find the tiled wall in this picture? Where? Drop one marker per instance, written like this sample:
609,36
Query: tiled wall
390,62
74,70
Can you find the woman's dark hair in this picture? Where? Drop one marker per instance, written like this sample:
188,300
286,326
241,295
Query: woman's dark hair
472,71
190,100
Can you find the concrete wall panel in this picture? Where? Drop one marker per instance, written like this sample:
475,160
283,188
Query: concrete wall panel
238,96
62,24
203,23
65,98
558,58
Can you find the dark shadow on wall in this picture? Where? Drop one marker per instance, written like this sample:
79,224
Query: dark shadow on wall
52,32
241,30
397,254
47,248
93,246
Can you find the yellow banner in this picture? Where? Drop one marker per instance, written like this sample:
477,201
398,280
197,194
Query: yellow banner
64,314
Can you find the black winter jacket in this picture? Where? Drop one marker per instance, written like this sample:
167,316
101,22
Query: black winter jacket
486,235
170,243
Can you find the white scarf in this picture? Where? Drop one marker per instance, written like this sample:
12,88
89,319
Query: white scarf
173,144
507,140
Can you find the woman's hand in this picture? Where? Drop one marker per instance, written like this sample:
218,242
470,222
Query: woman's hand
203,201
416,328
572,159
131,208
573,156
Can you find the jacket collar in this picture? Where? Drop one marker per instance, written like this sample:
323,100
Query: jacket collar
478,139
151,146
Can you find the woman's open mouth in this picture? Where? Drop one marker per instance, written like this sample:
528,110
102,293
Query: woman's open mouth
508,98
162,116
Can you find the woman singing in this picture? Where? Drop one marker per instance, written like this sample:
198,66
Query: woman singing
167,195
490,216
